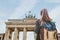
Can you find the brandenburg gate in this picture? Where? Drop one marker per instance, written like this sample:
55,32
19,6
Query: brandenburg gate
17,25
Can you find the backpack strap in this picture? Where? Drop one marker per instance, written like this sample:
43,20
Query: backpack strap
47,35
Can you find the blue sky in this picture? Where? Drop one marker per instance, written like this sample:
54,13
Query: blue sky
16,9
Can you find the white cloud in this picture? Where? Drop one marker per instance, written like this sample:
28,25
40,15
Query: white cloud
26,5
55,14
53,1
2,22
2,26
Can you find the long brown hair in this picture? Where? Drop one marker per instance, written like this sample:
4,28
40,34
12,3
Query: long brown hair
45,16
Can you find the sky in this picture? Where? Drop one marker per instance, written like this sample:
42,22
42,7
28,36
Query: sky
16,9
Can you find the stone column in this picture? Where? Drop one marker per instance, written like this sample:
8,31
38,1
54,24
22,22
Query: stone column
24,34
7,35
35,36
16,34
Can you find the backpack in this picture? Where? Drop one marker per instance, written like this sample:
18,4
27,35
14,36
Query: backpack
52,28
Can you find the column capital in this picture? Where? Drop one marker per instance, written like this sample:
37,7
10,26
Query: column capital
15,29
24,28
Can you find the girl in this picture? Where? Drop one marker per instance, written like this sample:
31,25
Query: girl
45,28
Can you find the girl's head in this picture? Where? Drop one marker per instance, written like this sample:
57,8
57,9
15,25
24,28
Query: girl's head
45,16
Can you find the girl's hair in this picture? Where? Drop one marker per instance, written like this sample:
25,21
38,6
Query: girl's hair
45,16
